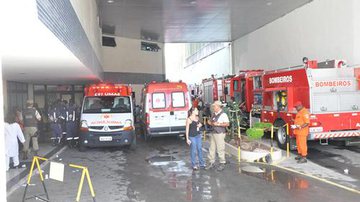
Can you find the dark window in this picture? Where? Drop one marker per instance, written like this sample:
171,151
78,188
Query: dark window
236,85
108,41
38,88
107,104
79,88
242,88
17,94
257,82
145,46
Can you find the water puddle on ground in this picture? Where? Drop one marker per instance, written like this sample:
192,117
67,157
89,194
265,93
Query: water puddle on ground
290,181
195,185
161,160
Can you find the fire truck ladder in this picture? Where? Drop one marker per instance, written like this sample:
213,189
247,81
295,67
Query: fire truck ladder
286,68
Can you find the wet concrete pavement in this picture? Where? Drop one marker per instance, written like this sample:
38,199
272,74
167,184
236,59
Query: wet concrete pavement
337,157
160,171
334,162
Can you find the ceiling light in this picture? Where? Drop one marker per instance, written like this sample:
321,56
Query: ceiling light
269,3
110,1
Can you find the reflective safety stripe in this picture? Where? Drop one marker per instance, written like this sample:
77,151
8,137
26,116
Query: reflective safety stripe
69,138
336,134
76,138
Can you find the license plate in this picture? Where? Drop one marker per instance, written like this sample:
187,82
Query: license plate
105,138
316,129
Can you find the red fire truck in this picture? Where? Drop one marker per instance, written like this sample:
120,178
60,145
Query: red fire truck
246,88
107,116
217,89
212,90
329,90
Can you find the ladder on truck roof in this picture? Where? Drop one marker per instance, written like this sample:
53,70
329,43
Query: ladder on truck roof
285,69
312,64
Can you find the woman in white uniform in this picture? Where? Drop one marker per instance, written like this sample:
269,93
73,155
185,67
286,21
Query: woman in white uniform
13,132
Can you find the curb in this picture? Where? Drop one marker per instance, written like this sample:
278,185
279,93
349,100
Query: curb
250,156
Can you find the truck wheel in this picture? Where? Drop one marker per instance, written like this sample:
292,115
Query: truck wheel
281,137
134,141
82,148
133,144
146,136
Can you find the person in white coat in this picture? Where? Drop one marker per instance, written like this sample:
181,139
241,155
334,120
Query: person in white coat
13,132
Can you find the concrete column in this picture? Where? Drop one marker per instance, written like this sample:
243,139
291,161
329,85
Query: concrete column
2,142
5,95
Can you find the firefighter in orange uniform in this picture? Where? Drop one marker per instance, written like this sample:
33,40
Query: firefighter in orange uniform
301,131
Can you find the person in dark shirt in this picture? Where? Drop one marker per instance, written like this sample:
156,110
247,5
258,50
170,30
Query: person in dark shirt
193,138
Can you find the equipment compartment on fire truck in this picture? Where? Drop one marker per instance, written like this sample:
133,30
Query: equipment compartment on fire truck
107,116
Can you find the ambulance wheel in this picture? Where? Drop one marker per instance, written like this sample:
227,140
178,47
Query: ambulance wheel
82,148
146,136
134,141
133,144
281,137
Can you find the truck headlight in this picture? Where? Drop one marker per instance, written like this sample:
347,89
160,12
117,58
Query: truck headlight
84,126
128,125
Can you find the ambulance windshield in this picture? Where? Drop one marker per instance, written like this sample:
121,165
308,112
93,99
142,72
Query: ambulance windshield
107,104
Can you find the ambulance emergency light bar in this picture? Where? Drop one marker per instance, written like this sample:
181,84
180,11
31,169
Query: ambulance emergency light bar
107,89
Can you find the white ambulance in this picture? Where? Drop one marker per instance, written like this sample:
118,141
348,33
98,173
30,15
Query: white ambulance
164,108
107,116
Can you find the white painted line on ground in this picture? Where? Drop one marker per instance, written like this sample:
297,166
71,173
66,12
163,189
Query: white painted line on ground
320,179
275,164
314,177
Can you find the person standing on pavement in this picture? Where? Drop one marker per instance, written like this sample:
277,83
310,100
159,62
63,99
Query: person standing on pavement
71,115
301,131
193,138
40,123
219,121
13,132
20,120
63,109
18,117
31,118
54,114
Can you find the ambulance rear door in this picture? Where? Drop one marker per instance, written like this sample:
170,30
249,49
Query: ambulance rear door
159,114
178,110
